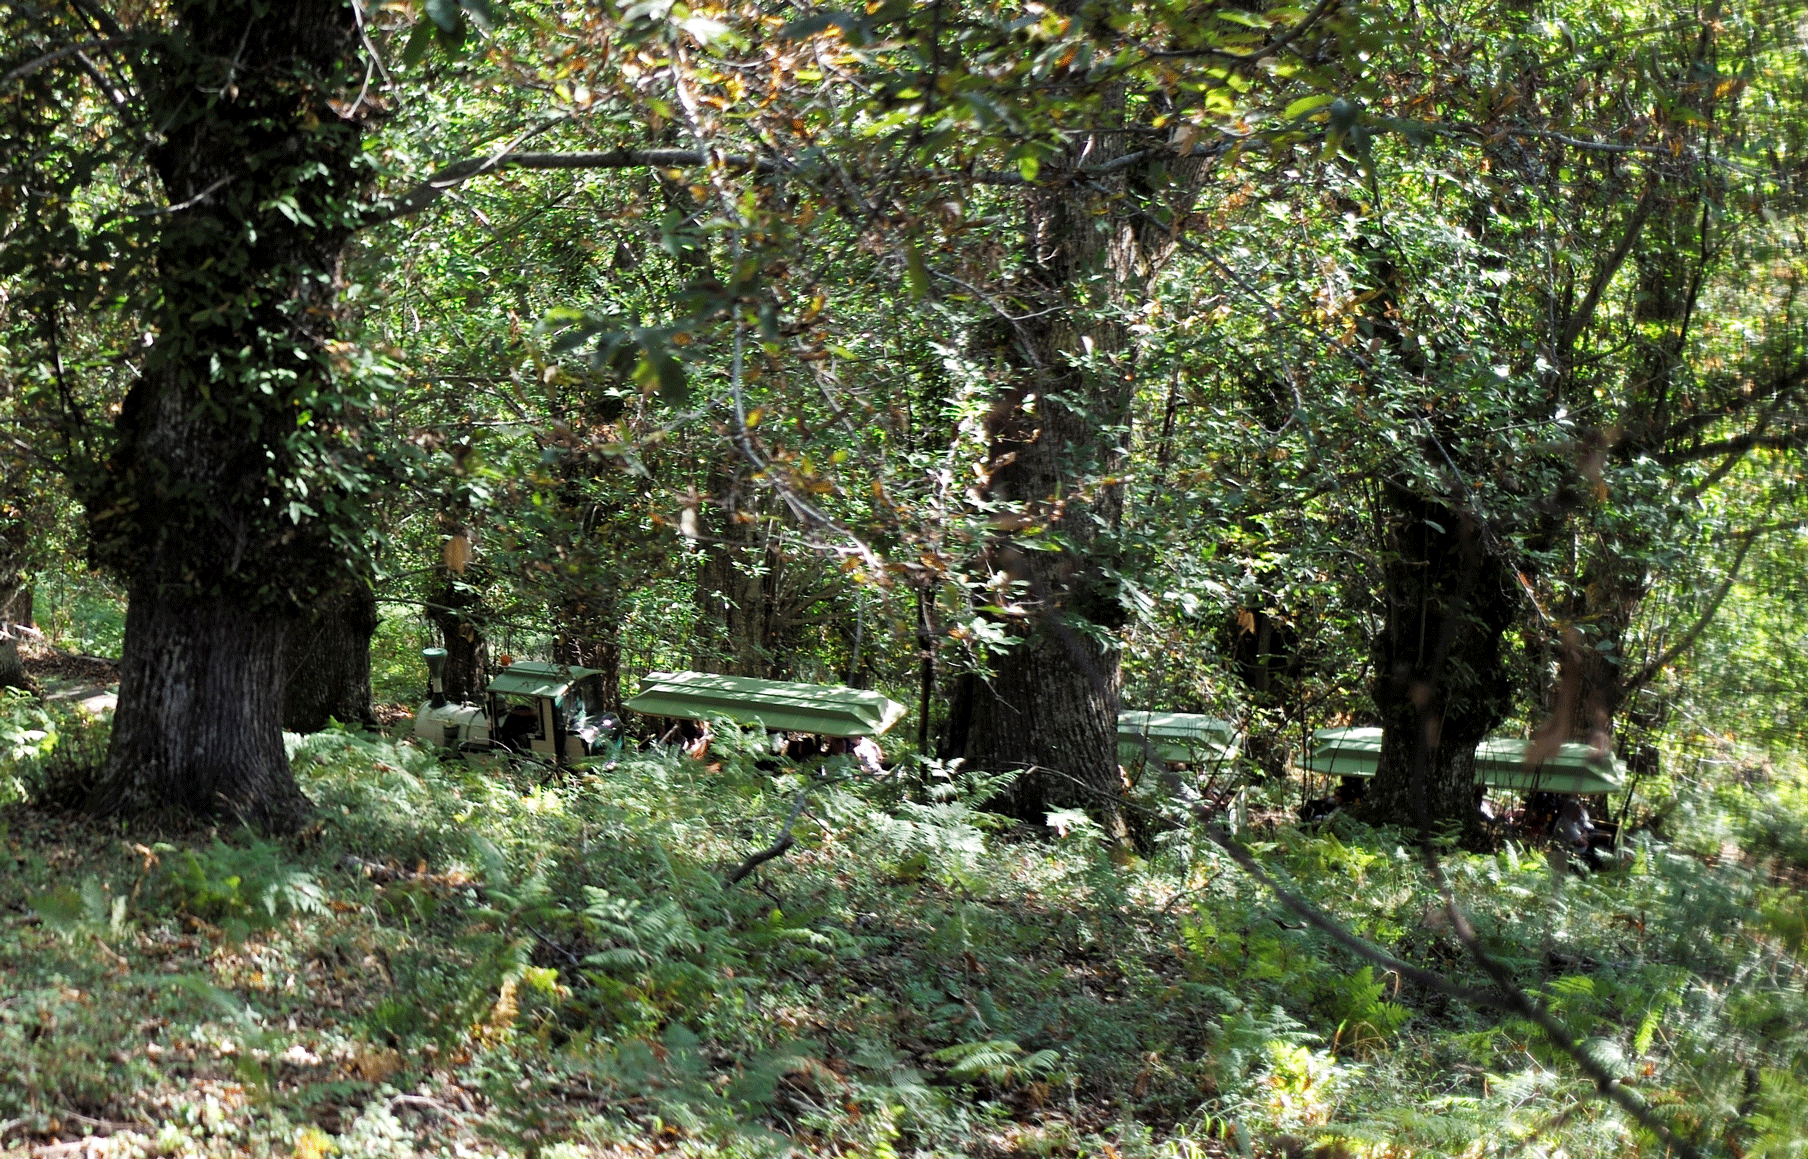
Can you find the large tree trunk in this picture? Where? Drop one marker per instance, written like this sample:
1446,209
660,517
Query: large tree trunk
327,661
1442,679
199,505
467,652
200,692
16,533
15,614
1059,443
1049,709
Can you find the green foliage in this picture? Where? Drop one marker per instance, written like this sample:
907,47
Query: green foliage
999,1061
567,955
238,887
48,753
80,611
1365,1020
85,909
28,733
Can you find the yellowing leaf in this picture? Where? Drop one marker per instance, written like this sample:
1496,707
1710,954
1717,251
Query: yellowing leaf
458,554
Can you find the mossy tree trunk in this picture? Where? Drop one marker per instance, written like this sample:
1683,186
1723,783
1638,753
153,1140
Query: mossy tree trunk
1059,444
1442,678
209,504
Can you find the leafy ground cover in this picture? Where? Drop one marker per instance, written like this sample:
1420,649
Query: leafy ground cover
463,959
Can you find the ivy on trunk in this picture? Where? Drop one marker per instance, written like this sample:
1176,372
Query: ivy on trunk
210,502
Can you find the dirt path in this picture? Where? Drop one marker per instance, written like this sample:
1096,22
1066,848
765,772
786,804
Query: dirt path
90,683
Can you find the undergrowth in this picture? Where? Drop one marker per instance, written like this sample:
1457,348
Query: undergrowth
468,959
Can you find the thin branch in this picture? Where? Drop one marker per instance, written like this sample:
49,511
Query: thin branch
1584,313
1565,139
68,50
376,59
435,187
187,204
779,845
1702,621
1734,448
455,174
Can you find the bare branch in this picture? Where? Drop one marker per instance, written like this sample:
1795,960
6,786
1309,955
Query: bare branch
779,845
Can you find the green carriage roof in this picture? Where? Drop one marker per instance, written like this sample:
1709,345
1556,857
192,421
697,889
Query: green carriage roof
1175,736
532,678
1345,752
1574,768
826,709
1499,763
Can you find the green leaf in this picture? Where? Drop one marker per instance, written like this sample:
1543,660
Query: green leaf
446,14
419,41
916,273
658,368
1237,16
1306,105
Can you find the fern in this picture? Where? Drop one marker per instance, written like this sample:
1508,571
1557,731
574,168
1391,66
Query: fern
90,909
999,1061
241,888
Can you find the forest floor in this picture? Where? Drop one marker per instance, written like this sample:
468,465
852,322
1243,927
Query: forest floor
461,960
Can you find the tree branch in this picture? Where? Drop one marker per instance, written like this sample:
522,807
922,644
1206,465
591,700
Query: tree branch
50,58
1702,621
1585,312
457,173
783,842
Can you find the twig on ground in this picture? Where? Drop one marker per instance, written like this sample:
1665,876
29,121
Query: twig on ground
424,1102
783,842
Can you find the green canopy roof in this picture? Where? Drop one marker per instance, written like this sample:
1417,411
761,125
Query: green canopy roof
532,678
1499,763
1175,736
1345,752
1574,768
827,709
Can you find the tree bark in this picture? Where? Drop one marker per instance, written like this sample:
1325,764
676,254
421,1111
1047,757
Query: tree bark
15,613
1059,444
12,666
746,590
327,661
210,503
467,652
1442,679
16,535
200,691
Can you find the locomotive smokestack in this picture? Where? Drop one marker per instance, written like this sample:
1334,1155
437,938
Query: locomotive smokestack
436,675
